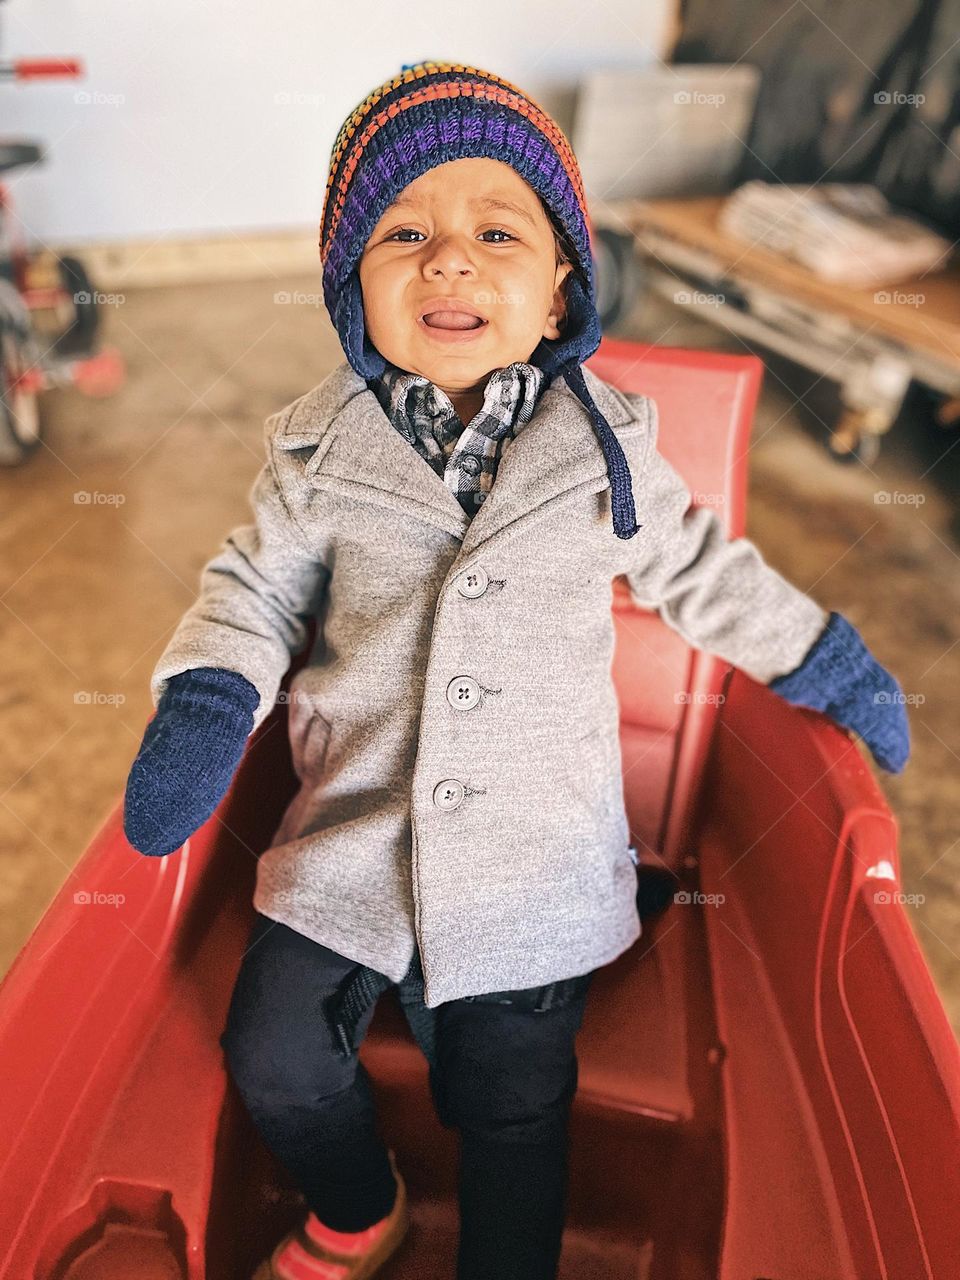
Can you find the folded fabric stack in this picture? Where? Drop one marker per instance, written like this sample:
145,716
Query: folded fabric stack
846,233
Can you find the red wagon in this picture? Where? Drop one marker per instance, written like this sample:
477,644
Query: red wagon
769,1087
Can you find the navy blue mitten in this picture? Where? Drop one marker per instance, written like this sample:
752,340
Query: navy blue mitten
189,754
841,677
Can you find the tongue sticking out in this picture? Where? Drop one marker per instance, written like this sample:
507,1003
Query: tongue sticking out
452,320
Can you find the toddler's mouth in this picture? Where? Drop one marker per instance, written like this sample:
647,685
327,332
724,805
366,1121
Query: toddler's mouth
452,320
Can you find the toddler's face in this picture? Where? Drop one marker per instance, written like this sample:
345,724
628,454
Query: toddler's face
445,236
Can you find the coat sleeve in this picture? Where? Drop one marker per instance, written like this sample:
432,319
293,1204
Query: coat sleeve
718,593
256,597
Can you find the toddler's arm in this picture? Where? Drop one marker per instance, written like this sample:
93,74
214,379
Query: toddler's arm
256,596
219,675
722,597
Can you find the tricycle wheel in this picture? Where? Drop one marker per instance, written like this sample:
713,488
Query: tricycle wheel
78,337
19,407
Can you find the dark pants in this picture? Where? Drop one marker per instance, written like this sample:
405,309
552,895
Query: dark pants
504,1076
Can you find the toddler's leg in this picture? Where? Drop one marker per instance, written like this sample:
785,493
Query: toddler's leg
506,1076
313,1107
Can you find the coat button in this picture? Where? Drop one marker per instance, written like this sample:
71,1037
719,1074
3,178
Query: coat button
470,464
463,693
473,583
448,794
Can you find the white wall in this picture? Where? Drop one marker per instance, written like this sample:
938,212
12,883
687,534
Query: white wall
199,115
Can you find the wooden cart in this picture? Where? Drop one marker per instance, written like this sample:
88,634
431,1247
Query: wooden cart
873,343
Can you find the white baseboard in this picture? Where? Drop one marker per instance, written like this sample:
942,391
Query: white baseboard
171,260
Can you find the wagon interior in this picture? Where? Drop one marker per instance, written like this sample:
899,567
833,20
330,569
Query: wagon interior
769,1087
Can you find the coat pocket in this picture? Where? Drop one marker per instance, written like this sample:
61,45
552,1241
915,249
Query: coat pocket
587,778
309,734
595,818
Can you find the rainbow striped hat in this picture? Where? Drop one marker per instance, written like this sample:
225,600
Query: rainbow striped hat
429,114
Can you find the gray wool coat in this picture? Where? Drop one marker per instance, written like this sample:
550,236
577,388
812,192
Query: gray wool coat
456,728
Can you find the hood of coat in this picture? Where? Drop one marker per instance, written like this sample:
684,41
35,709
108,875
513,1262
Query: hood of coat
353,445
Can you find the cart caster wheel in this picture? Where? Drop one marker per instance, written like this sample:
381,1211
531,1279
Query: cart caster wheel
855,439
946,415
865,452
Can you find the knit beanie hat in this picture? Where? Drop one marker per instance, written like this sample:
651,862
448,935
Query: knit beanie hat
431,113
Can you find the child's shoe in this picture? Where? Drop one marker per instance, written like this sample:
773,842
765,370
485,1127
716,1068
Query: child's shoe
303,1254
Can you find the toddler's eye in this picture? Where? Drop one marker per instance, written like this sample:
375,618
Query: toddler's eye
410,231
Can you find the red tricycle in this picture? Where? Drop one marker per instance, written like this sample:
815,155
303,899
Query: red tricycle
48,305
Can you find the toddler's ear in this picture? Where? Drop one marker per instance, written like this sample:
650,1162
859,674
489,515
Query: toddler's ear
557,319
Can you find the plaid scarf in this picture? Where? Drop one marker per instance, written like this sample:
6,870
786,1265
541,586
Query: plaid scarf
464,457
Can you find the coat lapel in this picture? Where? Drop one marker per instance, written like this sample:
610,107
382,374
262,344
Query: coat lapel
362,455
366,457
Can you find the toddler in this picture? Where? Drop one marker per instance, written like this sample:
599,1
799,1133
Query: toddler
452,504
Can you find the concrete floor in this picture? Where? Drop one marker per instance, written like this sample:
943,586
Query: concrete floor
91,591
